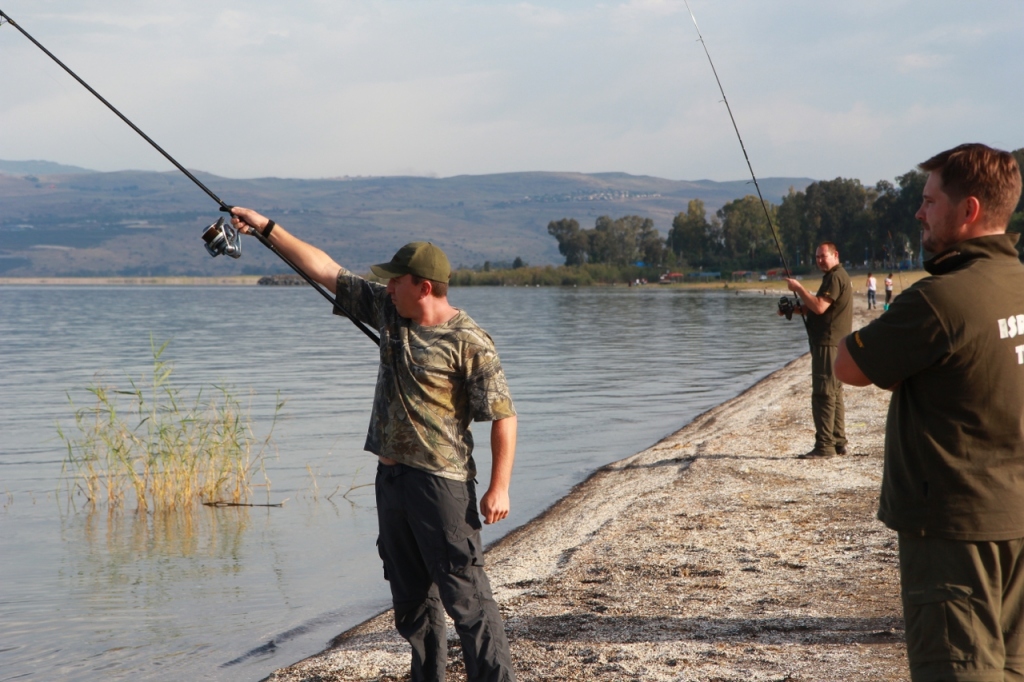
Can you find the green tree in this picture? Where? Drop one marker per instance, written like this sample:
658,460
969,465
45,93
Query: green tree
572,241
625,241
691,234
649,242
830,210
838,209
796,233
620,242
747,236
893,210
603,242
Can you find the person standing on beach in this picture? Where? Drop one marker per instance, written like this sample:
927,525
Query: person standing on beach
438,372
872,291
829,318
888,291
951,349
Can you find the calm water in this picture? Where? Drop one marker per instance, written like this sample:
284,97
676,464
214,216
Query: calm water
232,594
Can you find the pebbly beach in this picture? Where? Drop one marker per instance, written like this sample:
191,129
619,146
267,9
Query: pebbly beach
715,554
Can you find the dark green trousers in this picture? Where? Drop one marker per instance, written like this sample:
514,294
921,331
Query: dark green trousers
826,400
963,603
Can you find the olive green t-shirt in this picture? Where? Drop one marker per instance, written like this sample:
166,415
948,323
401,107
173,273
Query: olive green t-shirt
832,325
432,382
953,347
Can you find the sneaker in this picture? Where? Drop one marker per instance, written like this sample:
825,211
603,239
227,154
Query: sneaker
817,454
841,450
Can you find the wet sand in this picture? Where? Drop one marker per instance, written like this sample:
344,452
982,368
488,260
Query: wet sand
713,555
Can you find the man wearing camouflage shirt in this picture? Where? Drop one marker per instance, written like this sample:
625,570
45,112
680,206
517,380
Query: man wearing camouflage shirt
438,372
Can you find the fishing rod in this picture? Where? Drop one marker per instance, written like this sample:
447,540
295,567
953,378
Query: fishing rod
786,307
764,206
220,238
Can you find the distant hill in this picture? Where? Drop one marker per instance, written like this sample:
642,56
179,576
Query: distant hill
131,223
39,168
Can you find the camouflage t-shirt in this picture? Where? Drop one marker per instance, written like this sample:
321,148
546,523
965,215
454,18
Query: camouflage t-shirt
431,383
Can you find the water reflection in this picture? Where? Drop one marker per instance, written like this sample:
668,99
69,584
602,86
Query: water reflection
112,547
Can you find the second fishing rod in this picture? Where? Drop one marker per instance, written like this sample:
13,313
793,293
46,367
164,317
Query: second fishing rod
220,238
786,306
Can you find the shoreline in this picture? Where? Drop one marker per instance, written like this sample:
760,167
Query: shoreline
239,280
772,286
715,554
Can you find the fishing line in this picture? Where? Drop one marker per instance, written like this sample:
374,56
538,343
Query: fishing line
222,231
764,207
892,245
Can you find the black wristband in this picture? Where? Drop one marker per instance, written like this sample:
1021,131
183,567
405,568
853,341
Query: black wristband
268,229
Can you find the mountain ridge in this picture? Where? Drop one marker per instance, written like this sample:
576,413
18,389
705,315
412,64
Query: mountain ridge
138,223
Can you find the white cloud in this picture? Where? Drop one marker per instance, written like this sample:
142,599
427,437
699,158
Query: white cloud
541,15
919,62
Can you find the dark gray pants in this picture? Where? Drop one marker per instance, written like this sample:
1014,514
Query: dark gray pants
963,603
826,400
430,544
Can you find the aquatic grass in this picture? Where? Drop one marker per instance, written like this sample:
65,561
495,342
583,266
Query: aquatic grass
163,450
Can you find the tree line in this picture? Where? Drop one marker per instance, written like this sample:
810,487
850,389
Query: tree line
872,224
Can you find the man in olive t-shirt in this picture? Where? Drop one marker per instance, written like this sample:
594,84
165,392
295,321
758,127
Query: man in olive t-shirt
951,348
438,372
829,317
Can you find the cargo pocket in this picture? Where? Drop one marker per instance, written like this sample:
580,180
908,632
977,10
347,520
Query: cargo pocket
383,559
940,624
464,549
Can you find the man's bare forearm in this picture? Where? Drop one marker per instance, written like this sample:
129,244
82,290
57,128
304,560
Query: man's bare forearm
495,504
810,303
311,260
846,368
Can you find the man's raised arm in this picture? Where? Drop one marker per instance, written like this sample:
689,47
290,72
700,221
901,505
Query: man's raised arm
320,267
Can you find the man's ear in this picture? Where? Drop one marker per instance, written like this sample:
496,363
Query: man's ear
426,288
970,210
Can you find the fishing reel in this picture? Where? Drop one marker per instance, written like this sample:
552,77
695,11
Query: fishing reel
787,307
223,238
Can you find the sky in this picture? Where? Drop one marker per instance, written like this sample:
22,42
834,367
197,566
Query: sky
329,88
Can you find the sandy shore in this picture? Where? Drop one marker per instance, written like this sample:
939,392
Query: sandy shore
713,555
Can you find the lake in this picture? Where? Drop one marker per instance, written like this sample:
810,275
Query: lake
597,374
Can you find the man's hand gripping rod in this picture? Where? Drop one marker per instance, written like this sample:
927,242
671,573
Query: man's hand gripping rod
226,248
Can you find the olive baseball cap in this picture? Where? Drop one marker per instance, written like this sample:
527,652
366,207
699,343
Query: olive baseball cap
422,259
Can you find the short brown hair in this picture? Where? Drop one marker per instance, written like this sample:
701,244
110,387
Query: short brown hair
975,170
830,247
438,289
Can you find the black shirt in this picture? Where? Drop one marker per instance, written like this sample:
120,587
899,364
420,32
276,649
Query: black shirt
832,325
953,345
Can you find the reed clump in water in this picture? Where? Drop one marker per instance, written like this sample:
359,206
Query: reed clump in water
163,449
